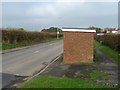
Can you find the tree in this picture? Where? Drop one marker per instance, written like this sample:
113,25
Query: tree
98,30
51,29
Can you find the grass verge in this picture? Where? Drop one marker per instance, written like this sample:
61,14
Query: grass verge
98,75
60,82
6,46
108,51
0,46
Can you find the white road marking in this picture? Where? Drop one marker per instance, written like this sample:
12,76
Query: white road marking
36,52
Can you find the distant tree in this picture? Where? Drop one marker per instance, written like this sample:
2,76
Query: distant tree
22,29
16,29
51,29
98,30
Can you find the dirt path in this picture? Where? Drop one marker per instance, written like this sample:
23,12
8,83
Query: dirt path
102,64
107,65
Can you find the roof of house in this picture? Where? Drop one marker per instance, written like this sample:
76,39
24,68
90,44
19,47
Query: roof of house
78,29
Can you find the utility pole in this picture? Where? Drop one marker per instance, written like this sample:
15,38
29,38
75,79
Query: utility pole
57,33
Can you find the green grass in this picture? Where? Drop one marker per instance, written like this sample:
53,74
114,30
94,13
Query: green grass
98,75
108,51
6,46
60,82
0,46
10,46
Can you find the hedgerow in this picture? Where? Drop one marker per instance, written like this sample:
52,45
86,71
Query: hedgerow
112,40
15,36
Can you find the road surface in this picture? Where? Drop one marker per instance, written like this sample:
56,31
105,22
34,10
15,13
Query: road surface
26,62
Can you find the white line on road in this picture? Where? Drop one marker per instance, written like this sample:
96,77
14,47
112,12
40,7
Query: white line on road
36,52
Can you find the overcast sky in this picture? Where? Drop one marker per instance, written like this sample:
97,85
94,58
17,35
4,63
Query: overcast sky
38,15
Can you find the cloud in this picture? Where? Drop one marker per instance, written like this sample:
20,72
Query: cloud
73,14
0,14
43,11
60,0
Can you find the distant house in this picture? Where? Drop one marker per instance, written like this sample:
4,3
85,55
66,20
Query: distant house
118,32
100,34
114,31
110,30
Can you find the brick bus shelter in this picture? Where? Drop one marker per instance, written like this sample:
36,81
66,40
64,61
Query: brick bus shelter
78,45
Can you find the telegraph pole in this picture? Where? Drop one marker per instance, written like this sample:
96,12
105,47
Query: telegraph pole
57,33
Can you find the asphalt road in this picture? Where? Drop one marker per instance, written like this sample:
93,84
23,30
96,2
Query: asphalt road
26,62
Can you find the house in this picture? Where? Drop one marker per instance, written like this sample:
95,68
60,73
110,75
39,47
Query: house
100,34
110,30
118,32
78,45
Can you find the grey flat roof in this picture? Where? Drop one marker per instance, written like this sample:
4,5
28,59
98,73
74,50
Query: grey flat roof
78,29
75,28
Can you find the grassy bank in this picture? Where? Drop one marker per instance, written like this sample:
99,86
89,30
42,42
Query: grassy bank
108,51
60,82
6,46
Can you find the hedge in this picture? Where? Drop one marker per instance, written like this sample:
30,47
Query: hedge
16,36
112,40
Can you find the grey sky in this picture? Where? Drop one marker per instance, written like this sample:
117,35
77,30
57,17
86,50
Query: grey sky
38,15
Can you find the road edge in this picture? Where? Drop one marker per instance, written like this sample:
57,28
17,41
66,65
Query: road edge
27,79
44,68
20,48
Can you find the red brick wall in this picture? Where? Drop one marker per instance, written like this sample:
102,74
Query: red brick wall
78,47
